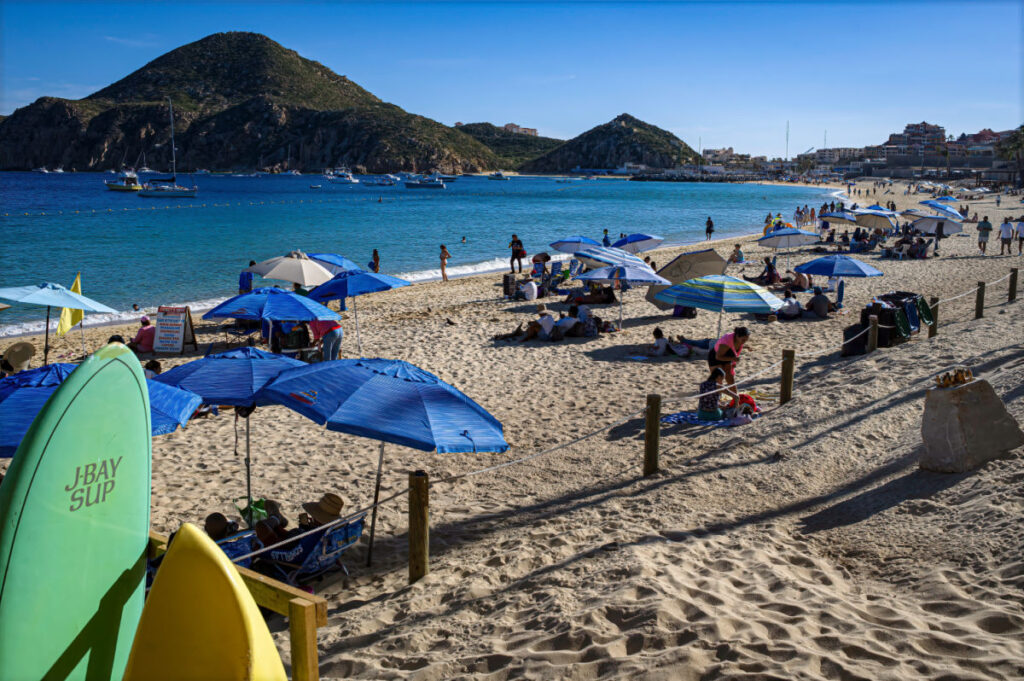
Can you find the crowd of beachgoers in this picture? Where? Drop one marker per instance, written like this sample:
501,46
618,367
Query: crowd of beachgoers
801,543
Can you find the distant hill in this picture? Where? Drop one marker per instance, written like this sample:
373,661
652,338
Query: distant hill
512,148
623,140
241,101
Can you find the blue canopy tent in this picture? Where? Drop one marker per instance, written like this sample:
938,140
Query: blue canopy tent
51,295
23,395
636,243
629,274
722,293
571,244
352,284
334,263
232,378
391,401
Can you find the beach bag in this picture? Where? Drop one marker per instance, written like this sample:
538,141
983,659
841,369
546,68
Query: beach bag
684,312
522,253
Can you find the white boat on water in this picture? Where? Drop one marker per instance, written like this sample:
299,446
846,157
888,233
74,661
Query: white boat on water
58,169
41,169
497,175
426,183
293,172
340,176
168,187
382,181
127,181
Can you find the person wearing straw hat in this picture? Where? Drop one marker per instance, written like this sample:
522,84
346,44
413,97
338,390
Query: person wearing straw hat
323,512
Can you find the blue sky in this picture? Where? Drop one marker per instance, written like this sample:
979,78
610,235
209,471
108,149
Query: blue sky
726,74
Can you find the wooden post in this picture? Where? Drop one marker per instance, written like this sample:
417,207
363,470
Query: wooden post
419,525
652,434
302,632
934,328
979,302
873,333
1013,281
786,391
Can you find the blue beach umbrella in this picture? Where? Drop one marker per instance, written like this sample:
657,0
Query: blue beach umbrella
788,237
839,217
722,293
391,401
232,378
636,243
334,263
50,295
571,244
947,199
272,304
23,395
352,284
942,208
630,274
838,266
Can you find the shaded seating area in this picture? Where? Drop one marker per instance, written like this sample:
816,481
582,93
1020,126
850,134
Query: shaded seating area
315,554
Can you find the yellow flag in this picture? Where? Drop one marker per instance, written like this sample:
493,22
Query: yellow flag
68,316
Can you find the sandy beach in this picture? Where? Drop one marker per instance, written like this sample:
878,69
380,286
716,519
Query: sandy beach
805,545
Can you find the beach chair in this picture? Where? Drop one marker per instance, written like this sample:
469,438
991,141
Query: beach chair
574,267
240,544
538,270
313,555
840,294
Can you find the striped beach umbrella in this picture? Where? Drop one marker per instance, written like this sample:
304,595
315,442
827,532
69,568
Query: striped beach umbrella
639,276
602,256
722,293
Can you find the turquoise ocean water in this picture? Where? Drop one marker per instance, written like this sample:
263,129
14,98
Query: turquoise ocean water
151,252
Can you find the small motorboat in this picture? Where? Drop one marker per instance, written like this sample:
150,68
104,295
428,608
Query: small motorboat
497,175
127,181
426,183
314,186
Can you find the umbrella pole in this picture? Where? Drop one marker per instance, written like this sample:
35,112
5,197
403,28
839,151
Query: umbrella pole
376,496
248,473
355,311
720,313
46,342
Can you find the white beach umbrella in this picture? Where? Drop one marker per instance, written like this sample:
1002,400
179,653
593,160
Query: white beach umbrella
930,224
296,267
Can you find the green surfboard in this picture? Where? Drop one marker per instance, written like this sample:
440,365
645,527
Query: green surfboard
74,527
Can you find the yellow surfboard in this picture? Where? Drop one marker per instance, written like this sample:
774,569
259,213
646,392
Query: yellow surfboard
200,622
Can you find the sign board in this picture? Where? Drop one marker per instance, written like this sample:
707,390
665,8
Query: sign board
174,330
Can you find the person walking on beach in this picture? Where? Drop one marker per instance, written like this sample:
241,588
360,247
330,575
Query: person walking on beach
1006,237
375,262
245,280
984,229
709,228
518,251
1020,235
444,263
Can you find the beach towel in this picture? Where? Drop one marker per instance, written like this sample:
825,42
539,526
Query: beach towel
691,418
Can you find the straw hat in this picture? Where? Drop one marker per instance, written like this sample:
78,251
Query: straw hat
326,510
19,355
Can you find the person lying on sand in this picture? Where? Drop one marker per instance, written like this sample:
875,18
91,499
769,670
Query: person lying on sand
218,527
540,327
602,296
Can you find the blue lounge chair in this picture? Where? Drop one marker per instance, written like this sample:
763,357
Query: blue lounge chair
574,267
315,554
240,544
840,293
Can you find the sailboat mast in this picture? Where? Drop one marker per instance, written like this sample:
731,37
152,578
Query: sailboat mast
174,166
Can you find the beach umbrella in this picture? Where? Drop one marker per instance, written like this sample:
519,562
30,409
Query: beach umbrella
839,218
722,293
788,238
272,304
571,244
636,243
600,256
948,199
51,295
296,267
930,225
838,266
23,395
353,284
391,401
630,274
232,378
685,267
876,219
915,212
942,208
334,263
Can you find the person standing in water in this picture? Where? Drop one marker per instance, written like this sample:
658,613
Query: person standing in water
444,262
517,254
709,228
375,262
